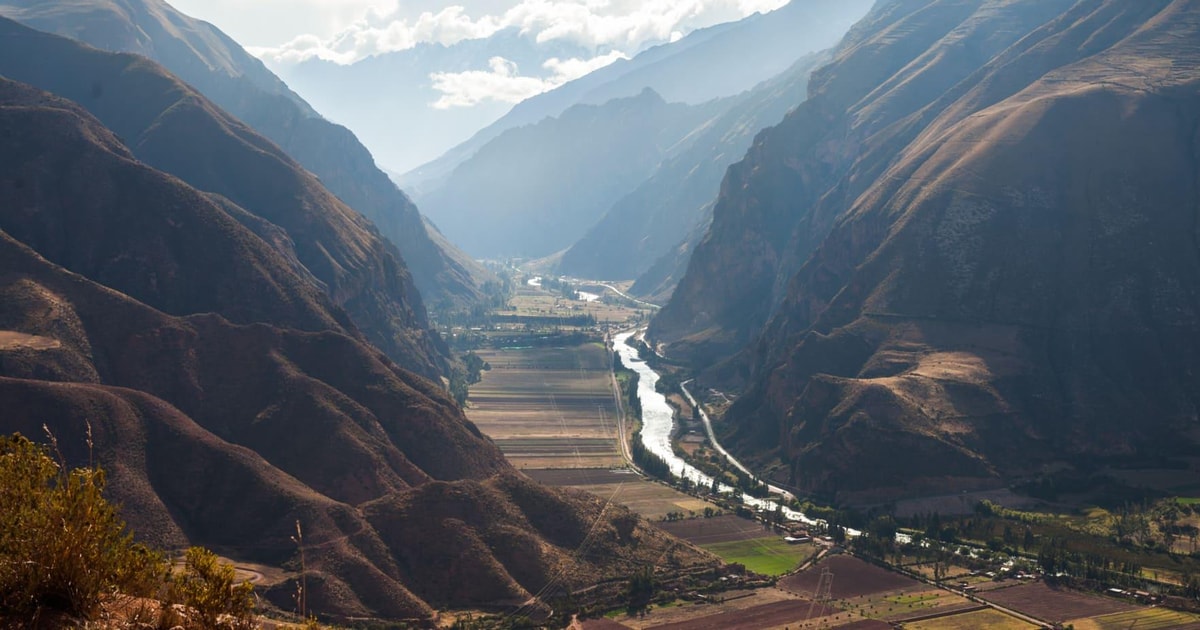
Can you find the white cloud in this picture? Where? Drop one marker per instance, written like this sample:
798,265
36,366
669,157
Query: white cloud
602,25
503,82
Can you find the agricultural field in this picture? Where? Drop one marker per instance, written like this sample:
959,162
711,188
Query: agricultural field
1142,619
986,619
535,302
908,604
761,609
742,541
851,578
548,407
765,616
719,529
650,499
1052,604
768,556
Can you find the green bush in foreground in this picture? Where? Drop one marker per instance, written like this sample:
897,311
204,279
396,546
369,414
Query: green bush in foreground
65,552
208,592
63,547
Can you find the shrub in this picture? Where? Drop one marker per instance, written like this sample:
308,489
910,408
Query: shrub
208,593
63,548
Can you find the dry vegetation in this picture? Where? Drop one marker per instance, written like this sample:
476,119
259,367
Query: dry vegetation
67,559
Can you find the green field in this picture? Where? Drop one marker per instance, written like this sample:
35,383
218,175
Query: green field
768,556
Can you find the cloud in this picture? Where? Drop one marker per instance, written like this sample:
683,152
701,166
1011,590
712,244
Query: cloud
600,25
503,82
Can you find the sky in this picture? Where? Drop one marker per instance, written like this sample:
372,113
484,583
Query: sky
575,37
345,31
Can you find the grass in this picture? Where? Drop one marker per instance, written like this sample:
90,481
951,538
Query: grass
768,556
981,620
1144,619
1187,500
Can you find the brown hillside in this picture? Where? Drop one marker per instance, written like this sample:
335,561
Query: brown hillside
225,433
157,115
993,267
219,68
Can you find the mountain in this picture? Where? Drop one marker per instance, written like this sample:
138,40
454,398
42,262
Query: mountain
373,95
157,115
731,57
647,223
225,73
535,190
968,258
229,399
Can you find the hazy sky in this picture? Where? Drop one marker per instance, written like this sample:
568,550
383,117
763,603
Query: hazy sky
348,30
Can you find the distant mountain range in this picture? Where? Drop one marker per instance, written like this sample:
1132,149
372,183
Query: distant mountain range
647,223
968,258
181,291
221,70
536,190
731,58
630,176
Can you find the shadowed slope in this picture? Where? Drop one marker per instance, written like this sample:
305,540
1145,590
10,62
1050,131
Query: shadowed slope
218,67
992,268
158,115
225,434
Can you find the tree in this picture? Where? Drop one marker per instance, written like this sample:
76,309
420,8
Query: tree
640,591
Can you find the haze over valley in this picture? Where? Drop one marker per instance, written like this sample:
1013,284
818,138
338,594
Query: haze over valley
708,314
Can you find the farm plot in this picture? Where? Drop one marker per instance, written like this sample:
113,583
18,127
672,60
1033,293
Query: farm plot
766,616
1143,619
1054,604
851,578
548,407
652,500
583,476
767,556
987,619
908,604
719,529
743,541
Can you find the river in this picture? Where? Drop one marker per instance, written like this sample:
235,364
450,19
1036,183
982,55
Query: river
658,423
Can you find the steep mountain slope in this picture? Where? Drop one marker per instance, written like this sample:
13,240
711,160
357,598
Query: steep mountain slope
770,214
645,224
158,115
226,433
975,244
535,190
731,58
220,69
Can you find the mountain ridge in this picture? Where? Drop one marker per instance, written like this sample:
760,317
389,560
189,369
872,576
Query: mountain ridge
934,309
228,434
158,114
242,85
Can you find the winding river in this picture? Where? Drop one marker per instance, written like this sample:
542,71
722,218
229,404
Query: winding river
658,423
